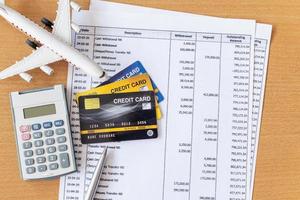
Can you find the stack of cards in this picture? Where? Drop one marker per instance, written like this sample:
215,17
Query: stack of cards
123,108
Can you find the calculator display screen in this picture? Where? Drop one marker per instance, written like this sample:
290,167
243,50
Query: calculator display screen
39,111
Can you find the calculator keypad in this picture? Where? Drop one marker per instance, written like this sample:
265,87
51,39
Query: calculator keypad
24,128
49,133
30,170
52,158
44,146
61,139
26,136
60,131
47,125
28,153
39,151
59,123
38,143
53,166
40,160
29,161
37,135
50,141
42,168
36,127
64,160
62,148
27,145
51,149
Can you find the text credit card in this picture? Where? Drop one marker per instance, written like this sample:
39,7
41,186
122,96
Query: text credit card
133,70
117,117
135,84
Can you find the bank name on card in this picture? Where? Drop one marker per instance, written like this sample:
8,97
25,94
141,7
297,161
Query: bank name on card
117,117
134,84
133,70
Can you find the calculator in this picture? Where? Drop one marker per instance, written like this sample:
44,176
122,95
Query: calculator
43,134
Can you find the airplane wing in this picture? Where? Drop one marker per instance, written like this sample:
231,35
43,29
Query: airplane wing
62,23
40,57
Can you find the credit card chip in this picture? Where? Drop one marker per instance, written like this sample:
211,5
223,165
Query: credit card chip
91,103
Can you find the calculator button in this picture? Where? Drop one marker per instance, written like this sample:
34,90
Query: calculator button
51,149
58,123
50,141
49,133
24,128
30,170
38,143
62,148
64,160
60,131
47,124
29,161
53,166
61,139
40,160
36,127
37,135
25,136
42,168
52,158
39,151
27,145
28,153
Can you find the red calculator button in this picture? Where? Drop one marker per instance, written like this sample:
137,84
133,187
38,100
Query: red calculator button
25,136
24,128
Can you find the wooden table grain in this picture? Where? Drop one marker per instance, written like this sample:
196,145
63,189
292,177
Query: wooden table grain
278,165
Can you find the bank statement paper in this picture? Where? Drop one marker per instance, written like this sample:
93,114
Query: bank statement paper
261,57
205,69
261,51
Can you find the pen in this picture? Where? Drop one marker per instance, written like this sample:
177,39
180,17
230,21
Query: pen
90,193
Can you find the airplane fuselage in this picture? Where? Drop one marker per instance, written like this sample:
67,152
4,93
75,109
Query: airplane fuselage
53,42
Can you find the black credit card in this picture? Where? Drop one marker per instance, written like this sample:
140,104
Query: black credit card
117,117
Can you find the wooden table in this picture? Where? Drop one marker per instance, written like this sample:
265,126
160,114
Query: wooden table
278,174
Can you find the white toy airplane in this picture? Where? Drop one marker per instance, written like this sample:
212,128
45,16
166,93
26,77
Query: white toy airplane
55,46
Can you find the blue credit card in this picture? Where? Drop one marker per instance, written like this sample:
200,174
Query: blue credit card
132,70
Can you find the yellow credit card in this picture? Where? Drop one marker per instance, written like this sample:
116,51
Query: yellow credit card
135,84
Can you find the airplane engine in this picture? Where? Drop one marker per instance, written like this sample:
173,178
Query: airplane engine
32,44
75,6
26,77
47,70
47,23
75,27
